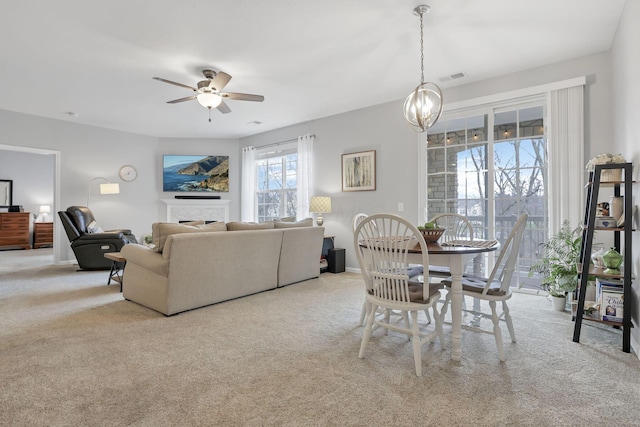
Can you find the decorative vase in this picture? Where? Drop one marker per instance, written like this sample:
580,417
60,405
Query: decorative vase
611,175
596,258
558,303
612,260
616,207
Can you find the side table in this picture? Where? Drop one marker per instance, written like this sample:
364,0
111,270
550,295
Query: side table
336,261
42,234
327,245
334,257
117,267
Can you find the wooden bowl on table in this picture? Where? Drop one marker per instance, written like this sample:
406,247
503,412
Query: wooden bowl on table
431,234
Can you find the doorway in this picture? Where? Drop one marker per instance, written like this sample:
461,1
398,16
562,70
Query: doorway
32,190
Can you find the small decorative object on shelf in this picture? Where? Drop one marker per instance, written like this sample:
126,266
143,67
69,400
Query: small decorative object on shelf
612,260
596,258
604,159
616,207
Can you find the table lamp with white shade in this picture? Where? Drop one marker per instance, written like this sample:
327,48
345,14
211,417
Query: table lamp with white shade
43,213
320,205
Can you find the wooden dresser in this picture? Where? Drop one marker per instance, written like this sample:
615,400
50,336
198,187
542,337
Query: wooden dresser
42,234
14,230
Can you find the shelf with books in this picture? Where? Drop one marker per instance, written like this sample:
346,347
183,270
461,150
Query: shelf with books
620,282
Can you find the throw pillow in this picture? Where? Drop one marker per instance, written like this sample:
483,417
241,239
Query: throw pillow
236,226
93,227
307,222
161,230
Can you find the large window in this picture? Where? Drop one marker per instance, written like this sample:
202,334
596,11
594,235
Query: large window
276,186
491,167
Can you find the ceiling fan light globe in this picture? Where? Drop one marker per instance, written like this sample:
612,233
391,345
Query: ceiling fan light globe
423,106
209,100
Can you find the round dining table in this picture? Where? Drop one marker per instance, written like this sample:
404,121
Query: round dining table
456,258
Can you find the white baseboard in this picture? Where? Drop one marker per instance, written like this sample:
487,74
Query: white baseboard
635,344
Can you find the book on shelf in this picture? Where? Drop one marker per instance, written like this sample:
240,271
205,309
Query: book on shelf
609,294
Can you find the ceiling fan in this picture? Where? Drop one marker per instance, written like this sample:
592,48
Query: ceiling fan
209,92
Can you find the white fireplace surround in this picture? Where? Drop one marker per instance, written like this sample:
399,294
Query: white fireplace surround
197,209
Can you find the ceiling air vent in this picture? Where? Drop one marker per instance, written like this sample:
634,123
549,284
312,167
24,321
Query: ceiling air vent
455,76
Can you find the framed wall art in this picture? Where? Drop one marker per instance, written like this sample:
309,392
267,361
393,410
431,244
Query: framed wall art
359,171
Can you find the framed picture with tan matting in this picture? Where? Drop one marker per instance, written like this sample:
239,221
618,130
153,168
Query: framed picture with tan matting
359,171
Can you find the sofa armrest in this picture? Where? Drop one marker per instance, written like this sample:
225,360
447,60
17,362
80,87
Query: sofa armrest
146,258
300,254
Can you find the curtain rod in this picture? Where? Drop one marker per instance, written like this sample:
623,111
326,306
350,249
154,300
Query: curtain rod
275,144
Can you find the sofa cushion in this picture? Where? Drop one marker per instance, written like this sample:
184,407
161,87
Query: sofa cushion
161,230
307,222
237,226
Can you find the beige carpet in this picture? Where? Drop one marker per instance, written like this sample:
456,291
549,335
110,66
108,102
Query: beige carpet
74,353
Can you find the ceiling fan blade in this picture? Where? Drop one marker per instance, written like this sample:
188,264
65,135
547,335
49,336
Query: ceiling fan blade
174,83
188,98
224,108
219,81
242,96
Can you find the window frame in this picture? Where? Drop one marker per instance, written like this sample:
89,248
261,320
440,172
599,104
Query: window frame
490,111
281,151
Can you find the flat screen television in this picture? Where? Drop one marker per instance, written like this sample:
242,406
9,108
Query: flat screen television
189,173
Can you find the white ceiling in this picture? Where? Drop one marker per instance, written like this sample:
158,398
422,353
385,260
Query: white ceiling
310,59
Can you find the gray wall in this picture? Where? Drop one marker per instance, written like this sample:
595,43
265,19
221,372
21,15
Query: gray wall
626,112
32,176
383,128
87,152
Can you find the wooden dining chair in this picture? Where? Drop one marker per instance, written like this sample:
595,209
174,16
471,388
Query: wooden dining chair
357,219
382,243
496,287
414,271
457,227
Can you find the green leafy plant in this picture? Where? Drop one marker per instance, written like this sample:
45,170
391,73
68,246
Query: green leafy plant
558,267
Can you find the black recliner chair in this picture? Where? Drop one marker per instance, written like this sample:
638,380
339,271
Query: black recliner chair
89,248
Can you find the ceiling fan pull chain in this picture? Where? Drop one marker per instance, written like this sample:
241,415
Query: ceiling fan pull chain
209,114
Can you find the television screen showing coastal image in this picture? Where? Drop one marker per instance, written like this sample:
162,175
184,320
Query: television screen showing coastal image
195,173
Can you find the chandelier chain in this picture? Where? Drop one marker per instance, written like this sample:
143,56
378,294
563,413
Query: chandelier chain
421,49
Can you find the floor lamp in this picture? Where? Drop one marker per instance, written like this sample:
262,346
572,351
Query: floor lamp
107,188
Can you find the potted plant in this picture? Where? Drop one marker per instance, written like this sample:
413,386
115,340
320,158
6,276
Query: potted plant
558,266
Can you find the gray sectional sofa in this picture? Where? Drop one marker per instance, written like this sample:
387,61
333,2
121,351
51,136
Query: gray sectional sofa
193,266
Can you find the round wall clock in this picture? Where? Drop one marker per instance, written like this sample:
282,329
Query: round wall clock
128,173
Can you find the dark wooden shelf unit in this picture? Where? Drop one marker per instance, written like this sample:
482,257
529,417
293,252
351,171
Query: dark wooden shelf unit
593,189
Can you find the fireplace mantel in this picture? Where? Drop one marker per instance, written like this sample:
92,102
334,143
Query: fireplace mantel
197,209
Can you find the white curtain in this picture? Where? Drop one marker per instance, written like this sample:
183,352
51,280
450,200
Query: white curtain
305,174
566,157
248,191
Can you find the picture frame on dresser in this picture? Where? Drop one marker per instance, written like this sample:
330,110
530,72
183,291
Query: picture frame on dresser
6,193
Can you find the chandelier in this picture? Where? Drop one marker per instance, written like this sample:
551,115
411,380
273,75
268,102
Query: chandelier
423,106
